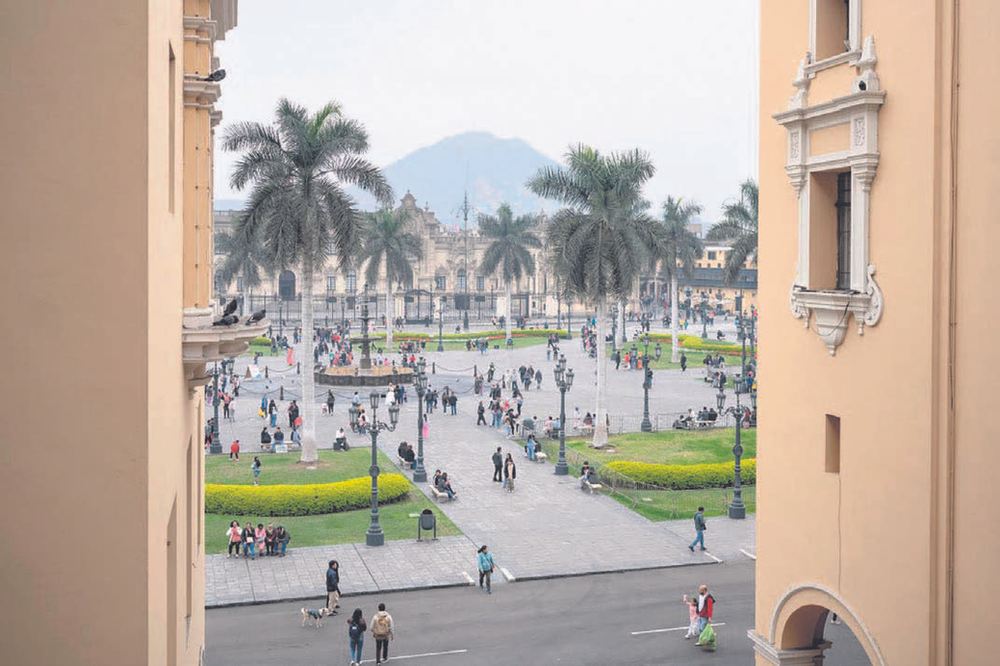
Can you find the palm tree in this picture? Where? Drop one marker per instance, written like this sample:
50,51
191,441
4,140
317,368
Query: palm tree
298,212
739,225
507,252
245,262
603,236
682,249
387,241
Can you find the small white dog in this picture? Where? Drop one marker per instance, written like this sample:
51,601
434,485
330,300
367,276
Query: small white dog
315,615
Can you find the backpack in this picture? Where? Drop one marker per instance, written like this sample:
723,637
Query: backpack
354,631
380,626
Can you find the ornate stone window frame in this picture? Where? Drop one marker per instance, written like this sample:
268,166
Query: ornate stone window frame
859,111
853,50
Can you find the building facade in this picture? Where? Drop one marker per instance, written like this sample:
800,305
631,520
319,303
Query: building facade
878,155
107,182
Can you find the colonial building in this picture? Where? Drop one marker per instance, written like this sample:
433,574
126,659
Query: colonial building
878,163
449,272
107,133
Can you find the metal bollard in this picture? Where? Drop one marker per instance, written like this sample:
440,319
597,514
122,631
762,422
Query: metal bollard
475,370
281,392
298,368
265,372
433,368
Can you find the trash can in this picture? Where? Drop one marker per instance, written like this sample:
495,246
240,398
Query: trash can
426,523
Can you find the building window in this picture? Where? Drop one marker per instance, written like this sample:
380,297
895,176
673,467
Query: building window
239,284
711,254
461,281
832,444
331,283
352,282
844,230
480,283
440,282
835,27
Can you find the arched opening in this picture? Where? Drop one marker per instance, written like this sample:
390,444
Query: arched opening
286,286
811,627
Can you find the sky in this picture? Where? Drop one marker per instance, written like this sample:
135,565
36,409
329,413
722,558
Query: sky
675,78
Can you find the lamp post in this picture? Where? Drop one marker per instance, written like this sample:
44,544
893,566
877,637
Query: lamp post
441,326
737,510
564,381
216,446
647,383
704,316
420,379
375,536
569,324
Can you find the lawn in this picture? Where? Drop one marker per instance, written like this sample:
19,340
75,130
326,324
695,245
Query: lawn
335,528
694,359
669,447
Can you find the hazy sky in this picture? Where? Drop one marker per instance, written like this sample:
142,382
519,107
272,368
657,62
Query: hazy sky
675,78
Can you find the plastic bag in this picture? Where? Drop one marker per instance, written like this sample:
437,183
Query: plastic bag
707,637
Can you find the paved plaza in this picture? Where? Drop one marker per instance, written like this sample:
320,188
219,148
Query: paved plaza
548,527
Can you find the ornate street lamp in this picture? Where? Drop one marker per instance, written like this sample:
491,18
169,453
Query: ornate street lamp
375,536
420,380
704,316
564,382
647,383
216,445
737,510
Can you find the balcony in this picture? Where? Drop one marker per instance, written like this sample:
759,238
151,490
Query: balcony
203,343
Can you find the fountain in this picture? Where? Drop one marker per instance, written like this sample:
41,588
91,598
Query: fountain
363,374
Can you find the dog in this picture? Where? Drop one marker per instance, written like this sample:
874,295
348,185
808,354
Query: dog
315,615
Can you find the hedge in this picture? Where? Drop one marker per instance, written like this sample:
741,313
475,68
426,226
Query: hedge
261,341
686,477
304,500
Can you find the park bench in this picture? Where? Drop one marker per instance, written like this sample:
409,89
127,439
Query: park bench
438,495
402,462
585,430
705,424
587,485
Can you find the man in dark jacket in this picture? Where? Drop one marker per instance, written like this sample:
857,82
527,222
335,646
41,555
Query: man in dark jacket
498,466
333,586
699,528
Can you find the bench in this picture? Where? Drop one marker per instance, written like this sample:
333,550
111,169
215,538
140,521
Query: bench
438,495
402,462
585,430
705,424
587,485
540,456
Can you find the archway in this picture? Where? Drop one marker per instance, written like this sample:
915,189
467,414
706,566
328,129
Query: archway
286,286
802,631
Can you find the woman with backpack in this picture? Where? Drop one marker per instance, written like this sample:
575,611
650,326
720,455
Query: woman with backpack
382,633
356,628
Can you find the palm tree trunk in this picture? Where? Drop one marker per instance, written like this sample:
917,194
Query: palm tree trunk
390,313
675,347
508,311
621,321
310,452
600,416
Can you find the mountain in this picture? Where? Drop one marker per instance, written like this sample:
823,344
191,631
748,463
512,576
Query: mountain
493,170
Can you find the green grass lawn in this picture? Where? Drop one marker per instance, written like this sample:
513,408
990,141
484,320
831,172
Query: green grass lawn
334,528
668,447
694,359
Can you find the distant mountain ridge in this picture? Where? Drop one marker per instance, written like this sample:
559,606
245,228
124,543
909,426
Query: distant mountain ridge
492,170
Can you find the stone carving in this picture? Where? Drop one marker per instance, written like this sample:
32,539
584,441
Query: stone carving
801,97
859,132
867,79
793,148
874,310
799,310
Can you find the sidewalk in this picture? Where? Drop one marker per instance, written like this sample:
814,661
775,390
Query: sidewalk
547,528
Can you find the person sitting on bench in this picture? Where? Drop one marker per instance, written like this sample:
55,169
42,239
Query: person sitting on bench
410,456
531,447
340,441
547,428
444,485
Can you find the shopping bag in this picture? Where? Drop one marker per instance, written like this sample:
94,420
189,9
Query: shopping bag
707,637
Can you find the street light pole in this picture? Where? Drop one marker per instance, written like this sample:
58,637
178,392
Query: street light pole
704,317
564,380
420,378
736,509
216,446
375,536
647,383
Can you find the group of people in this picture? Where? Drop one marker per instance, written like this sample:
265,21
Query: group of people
267,541
381,625
442,483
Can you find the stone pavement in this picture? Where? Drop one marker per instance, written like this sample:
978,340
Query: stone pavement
548,527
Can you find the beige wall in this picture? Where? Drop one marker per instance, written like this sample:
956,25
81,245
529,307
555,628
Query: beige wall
102,467
875,535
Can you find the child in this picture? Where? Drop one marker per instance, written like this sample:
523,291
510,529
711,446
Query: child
693,614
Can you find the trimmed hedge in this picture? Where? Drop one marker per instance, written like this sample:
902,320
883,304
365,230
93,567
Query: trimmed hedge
686,477
261,341
305,500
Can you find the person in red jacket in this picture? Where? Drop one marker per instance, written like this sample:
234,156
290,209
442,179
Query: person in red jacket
705,605
234,451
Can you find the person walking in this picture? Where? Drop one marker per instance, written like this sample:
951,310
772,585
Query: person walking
481,412
256,469
498,465
684,362
699,527
509,473
706,608
356,627
333,586
382,632
486,566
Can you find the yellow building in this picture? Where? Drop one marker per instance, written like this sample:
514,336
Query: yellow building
877,172
107,132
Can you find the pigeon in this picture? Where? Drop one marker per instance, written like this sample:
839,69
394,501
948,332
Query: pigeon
256,317
215,76
228,320
230,309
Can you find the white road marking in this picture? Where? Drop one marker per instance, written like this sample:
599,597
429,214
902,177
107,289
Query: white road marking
752,557
506,574
468,578
660,631
417,656
713,557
